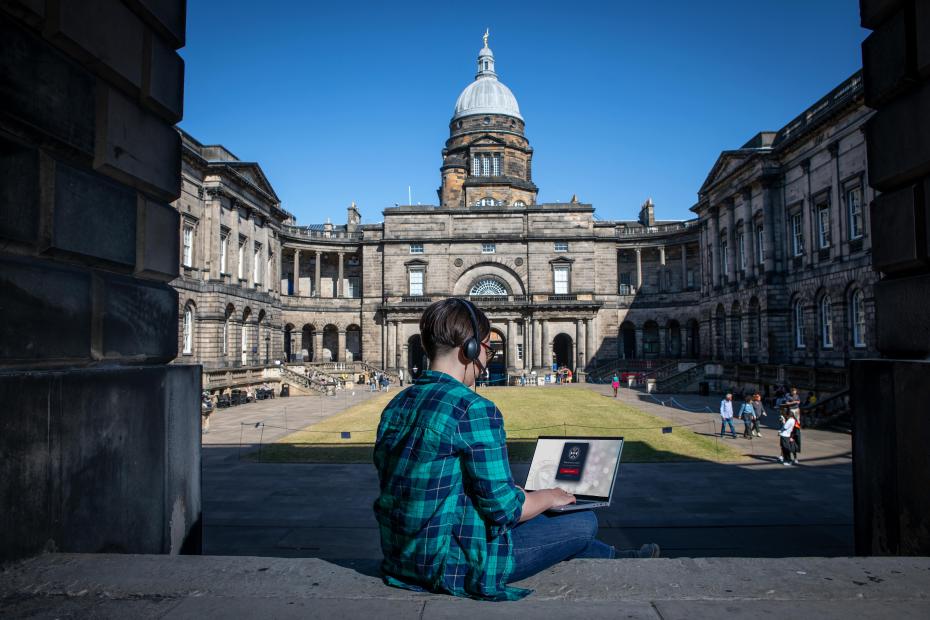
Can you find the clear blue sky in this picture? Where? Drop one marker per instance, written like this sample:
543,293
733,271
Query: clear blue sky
343,101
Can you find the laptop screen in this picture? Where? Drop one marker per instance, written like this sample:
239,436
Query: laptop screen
583,466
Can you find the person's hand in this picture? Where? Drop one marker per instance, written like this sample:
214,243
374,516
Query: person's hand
558,497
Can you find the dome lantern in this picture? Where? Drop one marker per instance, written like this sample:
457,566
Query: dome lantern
486,95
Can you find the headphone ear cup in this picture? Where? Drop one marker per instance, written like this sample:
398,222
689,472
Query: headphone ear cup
471,349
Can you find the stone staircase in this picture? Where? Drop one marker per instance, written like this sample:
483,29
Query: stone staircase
832,412
682,381
302,384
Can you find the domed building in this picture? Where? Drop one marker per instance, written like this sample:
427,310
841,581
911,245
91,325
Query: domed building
770,282
487,160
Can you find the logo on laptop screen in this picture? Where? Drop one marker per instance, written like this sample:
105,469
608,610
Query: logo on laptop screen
571,465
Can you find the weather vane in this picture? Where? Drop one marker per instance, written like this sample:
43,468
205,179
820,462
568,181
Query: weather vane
487,31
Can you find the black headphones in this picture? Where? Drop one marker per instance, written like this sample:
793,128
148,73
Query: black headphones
472,346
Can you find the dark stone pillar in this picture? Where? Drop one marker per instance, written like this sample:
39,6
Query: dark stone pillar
890,454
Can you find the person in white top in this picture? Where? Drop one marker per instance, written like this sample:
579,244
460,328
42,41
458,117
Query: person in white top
784,438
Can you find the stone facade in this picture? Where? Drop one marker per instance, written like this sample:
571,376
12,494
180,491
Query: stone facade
558,285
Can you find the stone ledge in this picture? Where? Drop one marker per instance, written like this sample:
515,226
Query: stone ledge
181,586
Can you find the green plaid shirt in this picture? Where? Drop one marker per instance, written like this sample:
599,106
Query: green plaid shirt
448,499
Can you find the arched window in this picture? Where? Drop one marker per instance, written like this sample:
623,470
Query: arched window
489,202
826,323
798,313
519,203
188,346
487,286
857,318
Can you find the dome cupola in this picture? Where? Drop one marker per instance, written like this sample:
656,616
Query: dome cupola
486,95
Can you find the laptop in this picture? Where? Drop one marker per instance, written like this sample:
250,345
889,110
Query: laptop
586,467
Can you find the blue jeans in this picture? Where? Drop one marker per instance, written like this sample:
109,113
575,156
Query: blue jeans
546,540
729,421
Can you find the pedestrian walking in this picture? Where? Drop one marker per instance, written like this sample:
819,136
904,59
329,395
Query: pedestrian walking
400,377
785,440
726,415
615,383
747,414
759,409
796,439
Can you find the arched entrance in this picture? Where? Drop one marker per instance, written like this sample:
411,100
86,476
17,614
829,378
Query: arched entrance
651,340
306,352
417,361
288,334
353,343
627,340
331,344
694,339
497,369
562,351
736,331
720,328
674,339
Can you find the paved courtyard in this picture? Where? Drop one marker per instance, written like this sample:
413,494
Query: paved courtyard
753,508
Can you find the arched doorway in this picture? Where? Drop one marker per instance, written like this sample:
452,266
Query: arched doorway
497,369
627,340
754,331
694,339
288,334
306,353
353,343
331,344
720,328
651,340
417,361
244,336
562,351
674,339
736,331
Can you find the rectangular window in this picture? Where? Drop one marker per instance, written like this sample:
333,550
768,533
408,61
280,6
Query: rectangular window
854,207
352,287
823,226
485,166
561,280
488,248
188,256
561,246
797,234
257,264
224,245
520,351
724,259
760,245
416,282
741,244
496,165
416,248
475,165
241,259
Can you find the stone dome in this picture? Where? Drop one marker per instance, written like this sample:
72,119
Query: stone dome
486,95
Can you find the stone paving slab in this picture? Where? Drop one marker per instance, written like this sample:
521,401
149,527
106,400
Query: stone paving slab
73,585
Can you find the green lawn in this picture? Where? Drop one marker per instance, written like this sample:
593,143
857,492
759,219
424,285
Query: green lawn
528,413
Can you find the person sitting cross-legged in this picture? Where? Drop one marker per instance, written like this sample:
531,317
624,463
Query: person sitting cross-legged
451,518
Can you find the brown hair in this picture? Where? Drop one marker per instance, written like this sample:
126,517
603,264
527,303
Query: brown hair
447,324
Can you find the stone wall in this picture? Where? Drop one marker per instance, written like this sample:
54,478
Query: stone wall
100,436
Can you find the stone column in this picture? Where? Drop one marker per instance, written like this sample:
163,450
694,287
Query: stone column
537,343
391,344
527,344
511,344
546,345
316,277
684,266
807,210
590,347
398,343
768,228
714,246
639,268
749,234
731,238
318,345
685,332
639,342
339,291
296,273
663,340
340,355
579,344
